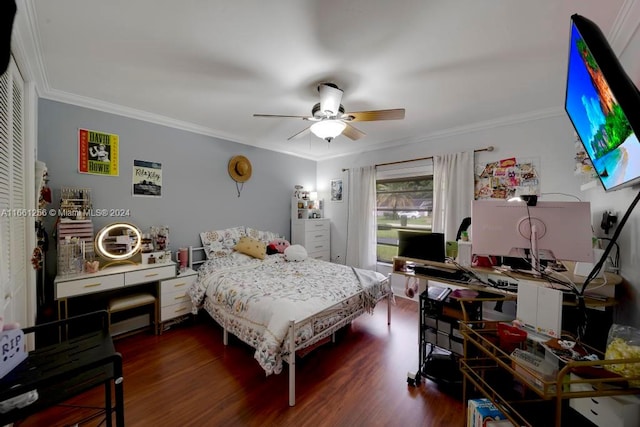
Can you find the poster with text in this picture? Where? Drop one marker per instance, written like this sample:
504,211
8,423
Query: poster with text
97,153
147,179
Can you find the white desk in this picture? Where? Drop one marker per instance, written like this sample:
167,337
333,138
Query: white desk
109,279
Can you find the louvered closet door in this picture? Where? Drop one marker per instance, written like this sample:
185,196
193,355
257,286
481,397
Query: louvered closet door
13,218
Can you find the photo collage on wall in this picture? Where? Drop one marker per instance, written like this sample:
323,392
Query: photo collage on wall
506,178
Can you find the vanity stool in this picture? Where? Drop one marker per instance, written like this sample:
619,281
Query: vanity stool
129,302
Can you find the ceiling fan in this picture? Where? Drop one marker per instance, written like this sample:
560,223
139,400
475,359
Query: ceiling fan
331,120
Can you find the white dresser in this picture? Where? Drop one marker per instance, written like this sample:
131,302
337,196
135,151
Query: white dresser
314,235
174,300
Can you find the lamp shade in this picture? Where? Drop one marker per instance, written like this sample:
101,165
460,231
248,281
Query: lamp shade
328,129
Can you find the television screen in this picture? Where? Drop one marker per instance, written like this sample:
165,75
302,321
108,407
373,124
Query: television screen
421,245
603,105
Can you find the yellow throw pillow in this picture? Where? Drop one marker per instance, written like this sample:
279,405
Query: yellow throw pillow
251,247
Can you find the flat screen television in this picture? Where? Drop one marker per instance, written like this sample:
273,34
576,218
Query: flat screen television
421,245
603,104
503,228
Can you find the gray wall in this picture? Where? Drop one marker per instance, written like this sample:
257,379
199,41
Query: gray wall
197,192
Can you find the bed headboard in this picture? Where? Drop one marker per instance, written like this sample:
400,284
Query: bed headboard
197,257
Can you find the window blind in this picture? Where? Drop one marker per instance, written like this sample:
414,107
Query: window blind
13,209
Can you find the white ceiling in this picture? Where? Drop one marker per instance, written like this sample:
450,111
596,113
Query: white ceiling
207,66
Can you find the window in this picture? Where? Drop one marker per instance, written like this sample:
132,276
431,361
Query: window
403,203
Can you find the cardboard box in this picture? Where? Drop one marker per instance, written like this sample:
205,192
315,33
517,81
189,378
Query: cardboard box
481,411
12,349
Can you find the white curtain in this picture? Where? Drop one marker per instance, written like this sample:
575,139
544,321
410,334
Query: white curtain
453,186
361,221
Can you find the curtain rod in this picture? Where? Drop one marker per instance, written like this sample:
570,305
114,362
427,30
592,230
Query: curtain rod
489,148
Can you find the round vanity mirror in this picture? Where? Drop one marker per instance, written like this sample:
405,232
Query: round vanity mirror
118,242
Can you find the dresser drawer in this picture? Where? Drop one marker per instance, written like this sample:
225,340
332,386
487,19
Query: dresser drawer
316,245
179,284
174,298
175,310
88,285
174,291
317,225
323,255
149,275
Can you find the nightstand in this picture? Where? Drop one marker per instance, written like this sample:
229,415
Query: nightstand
174,300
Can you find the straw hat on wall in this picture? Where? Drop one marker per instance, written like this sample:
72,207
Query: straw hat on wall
240,168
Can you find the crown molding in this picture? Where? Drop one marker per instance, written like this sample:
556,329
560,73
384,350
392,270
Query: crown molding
460,130
107,107
624,26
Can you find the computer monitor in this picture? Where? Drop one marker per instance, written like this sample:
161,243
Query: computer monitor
561,230
421,245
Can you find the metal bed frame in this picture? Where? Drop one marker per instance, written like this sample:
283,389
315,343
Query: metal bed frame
290,340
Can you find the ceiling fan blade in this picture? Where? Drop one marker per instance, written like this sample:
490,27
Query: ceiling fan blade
369,116
352,133
283,116
302,133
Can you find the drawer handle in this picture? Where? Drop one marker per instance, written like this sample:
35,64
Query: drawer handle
178,310
593,412
177,285
150,274
318,247
319,235
180,297
92,285
595,401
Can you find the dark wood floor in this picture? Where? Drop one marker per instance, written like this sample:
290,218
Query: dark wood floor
187,377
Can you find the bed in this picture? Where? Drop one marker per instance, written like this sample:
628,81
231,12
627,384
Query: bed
275,305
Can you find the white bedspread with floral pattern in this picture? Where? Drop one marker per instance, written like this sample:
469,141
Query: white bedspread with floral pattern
256,299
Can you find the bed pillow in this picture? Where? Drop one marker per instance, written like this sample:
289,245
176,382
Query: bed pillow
277,246
264,236
295,253
251,247
218,243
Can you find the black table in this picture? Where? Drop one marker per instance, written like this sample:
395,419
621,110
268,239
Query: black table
81,357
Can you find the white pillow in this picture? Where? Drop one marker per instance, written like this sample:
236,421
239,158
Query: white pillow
295,253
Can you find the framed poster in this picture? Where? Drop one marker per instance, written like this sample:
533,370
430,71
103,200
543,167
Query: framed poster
97,153
147,178
336,190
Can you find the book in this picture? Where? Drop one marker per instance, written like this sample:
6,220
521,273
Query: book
437,293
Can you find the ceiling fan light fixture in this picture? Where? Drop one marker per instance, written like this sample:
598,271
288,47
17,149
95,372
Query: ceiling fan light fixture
328,129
